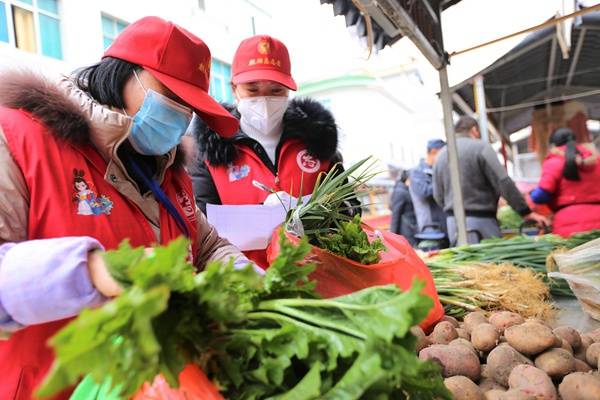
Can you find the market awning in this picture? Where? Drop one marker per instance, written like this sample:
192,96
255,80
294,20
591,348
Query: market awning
534,73
383,13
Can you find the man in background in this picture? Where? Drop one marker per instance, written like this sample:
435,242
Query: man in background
403,215
483,181
430,216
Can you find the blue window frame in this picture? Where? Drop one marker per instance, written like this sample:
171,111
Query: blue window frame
220,78
3,23
50,6
111,27
50,36
32,25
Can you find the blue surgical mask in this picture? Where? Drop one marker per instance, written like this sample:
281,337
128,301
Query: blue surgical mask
159,125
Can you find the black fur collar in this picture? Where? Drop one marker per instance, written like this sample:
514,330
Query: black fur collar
304,119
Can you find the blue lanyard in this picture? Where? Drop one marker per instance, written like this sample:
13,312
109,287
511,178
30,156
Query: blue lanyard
161,197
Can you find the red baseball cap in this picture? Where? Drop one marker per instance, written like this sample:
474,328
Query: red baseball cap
179,60
262,57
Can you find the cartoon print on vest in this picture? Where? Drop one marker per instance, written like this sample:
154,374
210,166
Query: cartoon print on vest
87,201
238,172
307,162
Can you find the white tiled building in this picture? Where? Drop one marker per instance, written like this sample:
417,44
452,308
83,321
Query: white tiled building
58,36
388,114
381,105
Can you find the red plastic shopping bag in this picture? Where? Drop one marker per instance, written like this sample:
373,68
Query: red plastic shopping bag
193,385
399,264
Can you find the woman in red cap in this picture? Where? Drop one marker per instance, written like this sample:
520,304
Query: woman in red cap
86,163
282,145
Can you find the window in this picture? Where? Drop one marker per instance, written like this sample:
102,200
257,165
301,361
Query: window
220,78
31,25
111,27
3,23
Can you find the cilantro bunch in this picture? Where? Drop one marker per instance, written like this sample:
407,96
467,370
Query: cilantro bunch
352,242
255,337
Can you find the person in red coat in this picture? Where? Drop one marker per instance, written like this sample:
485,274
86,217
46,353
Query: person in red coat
86,162
570,184
282,147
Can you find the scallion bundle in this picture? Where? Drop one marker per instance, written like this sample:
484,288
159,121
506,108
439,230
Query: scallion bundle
330,218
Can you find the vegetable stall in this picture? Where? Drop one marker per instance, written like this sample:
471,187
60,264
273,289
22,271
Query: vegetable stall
343,312
254,337
451,266
523,337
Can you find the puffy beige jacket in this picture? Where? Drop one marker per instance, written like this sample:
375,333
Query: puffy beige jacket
64,107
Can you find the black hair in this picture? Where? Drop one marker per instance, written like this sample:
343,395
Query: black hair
404,175
465,124
78,177
565,137
104,81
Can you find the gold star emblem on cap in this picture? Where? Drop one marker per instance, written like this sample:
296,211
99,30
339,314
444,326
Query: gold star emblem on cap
264,47
204,67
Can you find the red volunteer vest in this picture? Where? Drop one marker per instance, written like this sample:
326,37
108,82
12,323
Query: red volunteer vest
297,173
69,197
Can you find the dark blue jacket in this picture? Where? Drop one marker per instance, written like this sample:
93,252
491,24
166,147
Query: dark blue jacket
421,190
403,214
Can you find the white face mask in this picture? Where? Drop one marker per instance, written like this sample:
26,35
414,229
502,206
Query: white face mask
262,114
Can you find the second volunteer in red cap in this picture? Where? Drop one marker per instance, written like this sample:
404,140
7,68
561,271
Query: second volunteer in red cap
86,163
282,145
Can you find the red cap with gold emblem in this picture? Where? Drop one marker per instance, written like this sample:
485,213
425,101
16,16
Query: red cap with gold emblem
260,58
179,60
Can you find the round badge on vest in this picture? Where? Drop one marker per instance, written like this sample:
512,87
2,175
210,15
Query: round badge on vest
307,162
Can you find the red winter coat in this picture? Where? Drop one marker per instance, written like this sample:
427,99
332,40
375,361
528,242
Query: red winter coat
224,173
576,204
63,149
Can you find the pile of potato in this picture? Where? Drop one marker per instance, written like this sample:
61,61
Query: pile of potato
508,358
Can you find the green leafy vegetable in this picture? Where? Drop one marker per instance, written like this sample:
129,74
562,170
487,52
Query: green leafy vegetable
328,217
352,242
360,343
284,278
509,218
255,337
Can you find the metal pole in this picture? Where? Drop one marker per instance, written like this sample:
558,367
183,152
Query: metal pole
457,197
481,109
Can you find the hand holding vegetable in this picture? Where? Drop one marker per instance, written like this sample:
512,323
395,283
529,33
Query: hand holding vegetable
539,219
279,198
100,277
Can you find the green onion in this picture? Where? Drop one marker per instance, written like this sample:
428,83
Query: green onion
521,251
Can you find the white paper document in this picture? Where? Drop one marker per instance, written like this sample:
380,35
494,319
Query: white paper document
248,227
